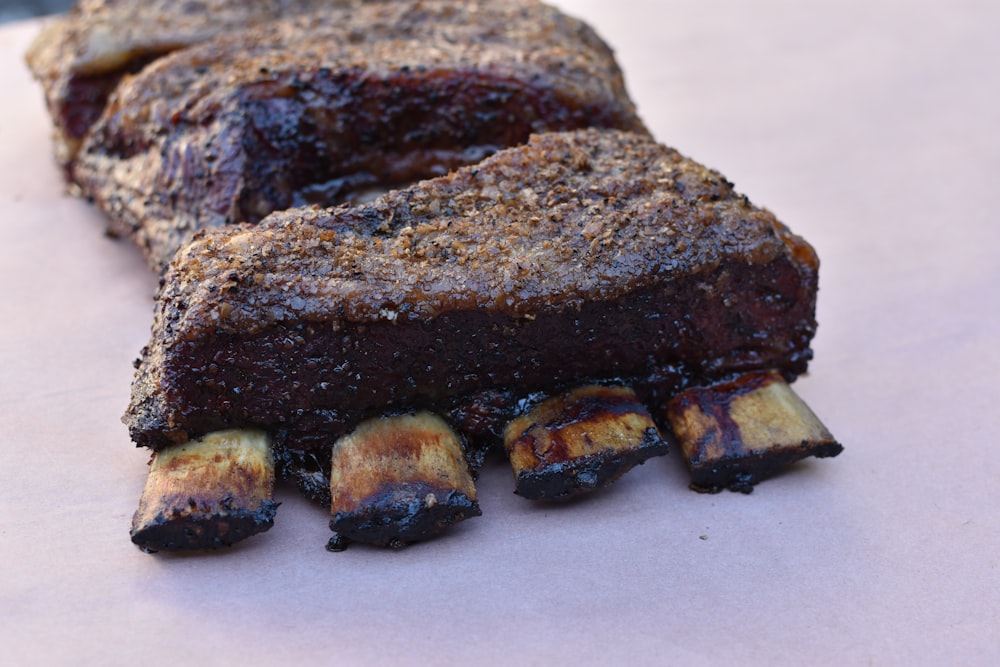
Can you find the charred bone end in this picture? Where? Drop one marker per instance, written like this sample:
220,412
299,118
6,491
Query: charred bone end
580,441
735,434
207,493
397,480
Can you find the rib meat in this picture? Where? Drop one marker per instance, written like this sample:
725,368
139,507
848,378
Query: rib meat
320,108
81,56
586,256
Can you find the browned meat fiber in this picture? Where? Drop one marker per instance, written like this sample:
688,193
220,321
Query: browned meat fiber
316,110
594,255
81,56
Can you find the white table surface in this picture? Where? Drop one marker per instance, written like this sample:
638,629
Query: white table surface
872,128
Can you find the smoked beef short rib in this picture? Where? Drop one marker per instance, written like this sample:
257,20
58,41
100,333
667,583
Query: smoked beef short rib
324,107
593,256
579,302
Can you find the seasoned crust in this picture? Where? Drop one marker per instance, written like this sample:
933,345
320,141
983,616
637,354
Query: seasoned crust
312,109
579,255
567,219
80,56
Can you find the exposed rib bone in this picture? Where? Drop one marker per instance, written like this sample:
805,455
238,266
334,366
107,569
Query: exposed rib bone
580,441
396,480
737,433
207,493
